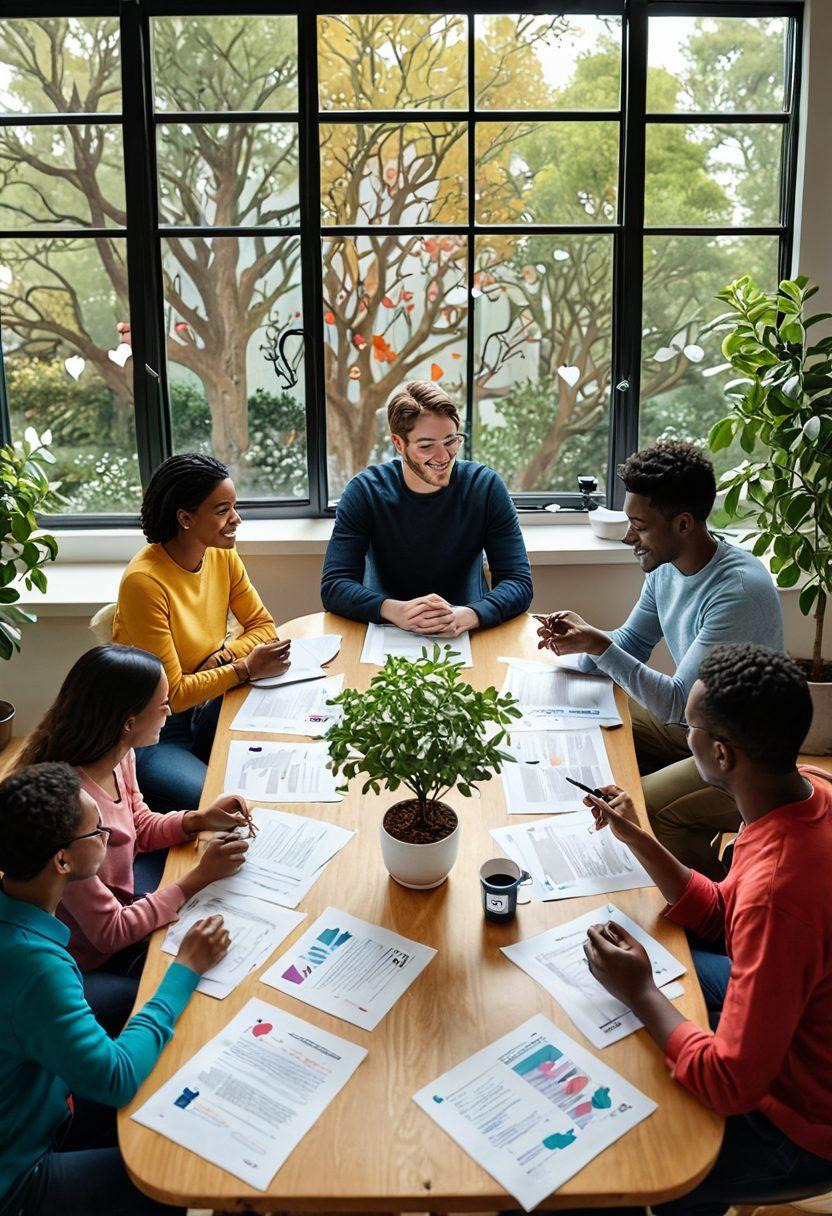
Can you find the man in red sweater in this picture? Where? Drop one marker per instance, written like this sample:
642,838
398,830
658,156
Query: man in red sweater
764,956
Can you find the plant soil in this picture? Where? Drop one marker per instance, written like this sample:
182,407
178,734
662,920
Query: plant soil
825,671
404,822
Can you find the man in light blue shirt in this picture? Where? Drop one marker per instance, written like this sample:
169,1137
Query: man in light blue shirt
699,591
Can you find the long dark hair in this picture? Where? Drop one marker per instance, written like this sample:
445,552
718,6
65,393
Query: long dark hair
180,483
107,685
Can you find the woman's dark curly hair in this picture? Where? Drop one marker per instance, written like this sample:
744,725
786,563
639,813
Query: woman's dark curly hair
759,700
180,483
40,810
674,475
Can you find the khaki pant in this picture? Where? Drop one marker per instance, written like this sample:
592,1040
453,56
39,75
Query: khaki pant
686,815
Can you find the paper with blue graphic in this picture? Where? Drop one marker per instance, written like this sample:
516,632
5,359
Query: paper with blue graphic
534,1108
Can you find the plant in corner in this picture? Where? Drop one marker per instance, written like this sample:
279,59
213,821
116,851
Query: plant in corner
783,401
24,548
418,726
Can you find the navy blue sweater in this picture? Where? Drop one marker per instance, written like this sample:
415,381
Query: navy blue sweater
423,543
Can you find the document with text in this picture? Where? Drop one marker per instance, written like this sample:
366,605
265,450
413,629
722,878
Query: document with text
250,1095
533,1108
306,660
280,772
350,968
554,697
567,857
296,709
382,640
537,785
557,961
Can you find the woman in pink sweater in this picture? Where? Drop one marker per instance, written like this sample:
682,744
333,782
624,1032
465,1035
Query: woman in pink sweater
113,700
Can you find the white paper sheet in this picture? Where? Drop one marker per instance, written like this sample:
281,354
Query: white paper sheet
296,709
555,697
256,928
306,659
349,968
280,772
250,1095
382,640
568,857
537,785
286,856
557,961
533,1108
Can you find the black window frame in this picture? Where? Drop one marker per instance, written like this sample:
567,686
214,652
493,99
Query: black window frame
144,233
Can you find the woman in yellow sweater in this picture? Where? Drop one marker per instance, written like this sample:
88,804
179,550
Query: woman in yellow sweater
174,601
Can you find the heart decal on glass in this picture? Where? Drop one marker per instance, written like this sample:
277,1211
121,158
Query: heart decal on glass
569,373
75,365
121,354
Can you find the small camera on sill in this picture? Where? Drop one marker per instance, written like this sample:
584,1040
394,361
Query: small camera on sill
587,486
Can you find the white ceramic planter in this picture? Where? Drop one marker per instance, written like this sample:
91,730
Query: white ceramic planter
419,866
818,742
6,723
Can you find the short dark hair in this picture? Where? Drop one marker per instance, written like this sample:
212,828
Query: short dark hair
180,483
414,398
675,476
759,700
40,810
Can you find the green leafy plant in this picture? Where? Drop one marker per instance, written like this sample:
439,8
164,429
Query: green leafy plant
419,726
24,548
783,401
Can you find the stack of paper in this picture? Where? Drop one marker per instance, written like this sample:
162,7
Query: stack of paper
296,709
557,961
306,659
536,784
250,1095
567,857
382,640
280,772
552,696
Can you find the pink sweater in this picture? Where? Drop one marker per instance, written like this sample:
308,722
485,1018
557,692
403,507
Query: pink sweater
100,911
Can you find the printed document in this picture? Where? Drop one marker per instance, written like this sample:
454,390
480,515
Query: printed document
280,772
256,928
533,1108
555,697
306,659
537,785
568,857
250,1095
286,856
557,961
349,968
382,640
294,709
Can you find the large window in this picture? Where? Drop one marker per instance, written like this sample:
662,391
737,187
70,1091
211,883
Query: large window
239,232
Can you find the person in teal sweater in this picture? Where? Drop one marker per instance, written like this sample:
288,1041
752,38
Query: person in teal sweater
58,1067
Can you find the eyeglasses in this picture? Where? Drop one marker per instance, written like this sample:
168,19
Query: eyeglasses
425,446
101,830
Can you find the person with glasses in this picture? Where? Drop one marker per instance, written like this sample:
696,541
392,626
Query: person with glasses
115,699
61,1075
409,536
763,944
699,591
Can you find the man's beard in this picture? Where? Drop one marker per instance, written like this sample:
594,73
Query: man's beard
423,473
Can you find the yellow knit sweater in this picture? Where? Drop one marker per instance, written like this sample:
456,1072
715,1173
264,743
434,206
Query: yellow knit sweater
181,615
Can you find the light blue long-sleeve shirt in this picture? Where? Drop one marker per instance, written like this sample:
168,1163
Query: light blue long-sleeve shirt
731,599
50,1043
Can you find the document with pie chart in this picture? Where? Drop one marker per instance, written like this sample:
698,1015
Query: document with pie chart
250,1095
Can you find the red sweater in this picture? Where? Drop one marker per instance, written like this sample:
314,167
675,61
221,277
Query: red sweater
772,1051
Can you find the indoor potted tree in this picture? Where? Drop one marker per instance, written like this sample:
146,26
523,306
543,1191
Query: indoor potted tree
24,548
783,399
420,727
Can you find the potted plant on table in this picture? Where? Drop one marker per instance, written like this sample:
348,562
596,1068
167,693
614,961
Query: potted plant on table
418,726
24,548
783,399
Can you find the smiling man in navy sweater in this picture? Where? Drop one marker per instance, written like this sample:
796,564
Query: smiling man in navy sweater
409,535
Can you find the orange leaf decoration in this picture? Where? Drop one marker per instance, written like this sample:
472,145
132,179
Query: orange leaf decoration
358,341
405,295
436,372
456,355
382,350
329,317
387,302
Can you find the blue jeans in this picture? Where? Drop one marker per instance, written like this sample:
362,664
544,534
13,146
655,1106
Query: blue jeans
171,773
83,1174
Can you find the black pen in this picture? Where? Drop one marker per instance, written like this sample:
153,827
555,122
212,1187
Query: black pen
587,790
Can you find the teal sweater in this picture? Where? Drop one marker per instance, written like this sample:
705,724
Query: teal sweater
50,1043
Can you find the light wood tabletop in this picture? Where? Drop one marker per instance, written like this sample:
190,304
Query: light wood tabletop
373,1149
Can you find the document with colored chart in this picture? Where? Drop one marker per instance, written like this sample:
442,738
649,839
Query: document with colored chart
556,959
349,968
533,1109
297,709
250,1095
383,640
536,784
556,698
269,771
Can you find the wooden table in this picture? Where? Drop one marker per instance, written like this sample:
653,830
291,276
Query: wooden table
373,1149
